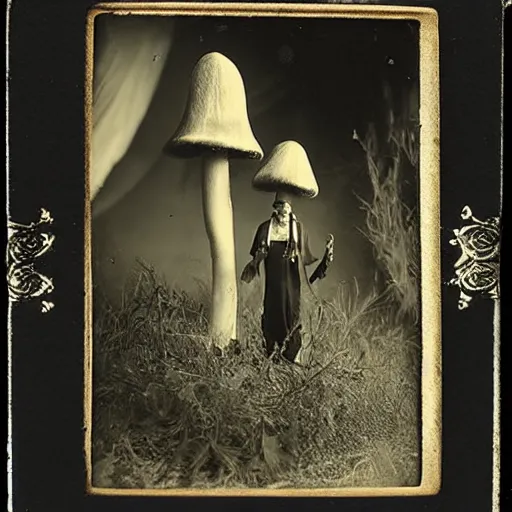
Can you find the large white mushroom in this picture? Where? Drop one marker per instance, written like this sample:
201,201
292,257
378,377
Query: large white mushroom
215,126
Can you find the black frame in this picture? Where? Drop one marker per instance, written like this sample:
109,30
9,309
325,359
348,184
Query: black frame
46,169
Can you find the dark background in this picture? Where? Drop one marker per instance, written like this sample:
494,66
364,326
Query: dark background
311,80
46,170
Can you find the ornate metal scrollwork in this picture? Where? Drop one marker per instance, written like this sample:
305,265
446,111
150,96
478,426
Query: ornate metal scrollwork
477,269
25,244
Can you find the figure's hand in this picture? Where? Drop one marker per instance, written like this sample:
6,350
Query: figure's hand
260,256
329,249
250,271
321,270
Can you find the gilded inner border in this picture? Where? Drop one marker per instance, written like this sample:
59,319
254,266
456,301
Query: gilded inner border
429,178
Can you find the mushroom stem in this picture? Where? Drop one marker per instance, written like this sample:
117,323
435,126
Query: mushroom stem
284,196
218,218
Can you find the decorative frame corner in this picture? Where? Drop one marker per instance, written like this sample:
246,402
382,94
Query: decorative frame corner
25,244
477,270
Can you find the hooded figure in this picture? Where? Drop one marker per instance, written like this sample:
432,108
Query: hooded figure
282,244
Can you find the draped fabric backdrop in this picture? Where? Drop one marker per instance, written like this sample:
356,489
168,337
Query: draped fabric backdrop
126,50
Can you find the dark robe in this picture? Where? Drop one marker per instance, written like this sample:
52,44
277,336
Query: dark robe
281,307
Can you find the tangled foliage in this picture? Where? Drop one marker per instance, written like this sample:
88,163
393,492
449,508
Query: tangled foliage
391,224
168,412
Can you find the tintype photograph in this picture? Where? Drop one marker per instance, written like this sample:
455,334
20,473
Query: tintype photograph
262,255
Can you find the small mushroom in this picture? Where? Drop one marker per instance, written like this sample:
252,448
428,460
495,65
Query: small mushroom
215,127
287,172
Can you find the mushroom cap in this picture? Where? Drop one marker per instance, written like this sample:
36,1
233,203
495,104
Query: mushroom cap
287,169
215,118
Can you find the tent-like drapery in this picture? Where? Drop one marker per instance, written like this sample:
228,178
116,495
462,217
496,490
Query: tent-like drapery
130,54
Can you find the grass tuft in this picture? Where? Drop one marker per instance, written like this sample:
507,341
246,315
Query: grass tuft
391,224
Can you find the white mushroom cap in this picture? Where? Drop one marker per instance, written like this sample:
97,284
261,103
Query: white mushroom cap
216,115
287,169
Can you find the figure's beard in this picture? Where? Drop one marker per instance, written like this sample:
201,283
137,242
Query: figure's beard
281,218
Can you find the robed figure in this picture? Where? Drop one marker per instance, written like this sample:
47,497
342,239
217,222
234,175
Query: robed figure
281,244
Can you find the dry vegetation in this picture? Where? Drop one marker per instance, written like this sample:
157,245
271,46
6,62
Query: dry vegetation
170,413
391,224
